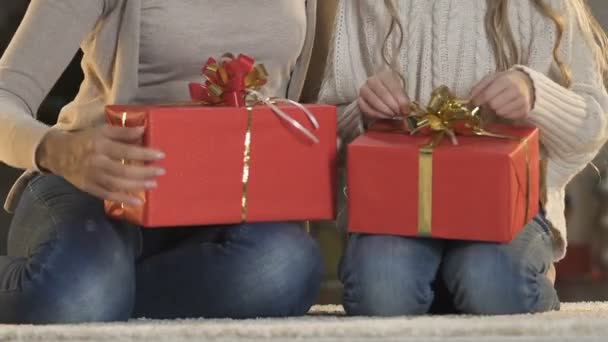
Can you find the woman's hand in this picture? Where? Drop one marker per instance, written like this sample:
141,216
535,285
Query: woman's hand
92,161
383,96
509,94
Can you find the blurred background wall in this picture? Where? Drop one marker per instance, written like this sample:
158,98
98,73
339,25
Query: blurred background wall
581,274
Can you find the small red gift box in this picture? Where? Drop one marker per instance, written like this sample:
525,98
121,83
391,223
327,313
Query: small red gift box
253,162
484,189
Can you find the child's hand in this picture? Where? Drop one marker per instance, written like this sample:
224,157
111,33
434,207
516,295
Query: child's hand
509,94
383,96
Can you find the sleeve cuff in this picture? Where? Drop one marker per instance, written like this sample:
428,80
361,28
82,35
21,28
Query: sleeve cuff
558,112
26,144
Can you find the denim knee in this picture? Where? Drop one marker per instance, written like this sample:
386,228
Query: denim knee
389,276
281,271
84,273
484,280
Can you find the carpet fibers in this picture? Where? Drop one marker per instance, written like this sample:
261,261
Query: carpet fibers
575,322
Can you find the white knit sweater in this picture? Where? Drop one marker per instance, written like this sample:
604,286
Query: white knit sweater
446,44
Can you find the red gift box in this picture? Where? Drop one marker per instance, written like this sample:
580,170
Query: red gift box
290,178
483,189
236,156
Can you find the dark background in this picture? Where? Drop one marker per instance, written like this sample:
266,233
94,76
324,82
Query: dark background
582,273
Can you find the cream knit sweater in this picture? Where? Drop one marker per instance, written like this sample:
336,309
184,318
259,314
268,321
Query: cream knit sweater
446,44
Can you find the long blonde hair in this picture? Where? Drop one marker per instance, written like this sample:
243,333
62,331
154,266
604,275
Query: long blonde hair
502,39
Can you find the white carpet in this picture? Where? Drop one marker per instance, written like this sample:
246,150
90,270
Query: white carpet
575,322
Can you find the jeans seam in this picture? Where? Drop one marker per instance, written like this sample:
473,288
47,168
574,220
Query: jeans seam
50,242
43,202
354,285
543,225
36,275
530,246
537,277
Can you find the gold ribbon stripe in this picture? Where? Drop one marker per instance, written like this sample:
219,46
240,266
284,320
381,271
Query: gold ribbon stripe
425,191
528,180
123,121
246,165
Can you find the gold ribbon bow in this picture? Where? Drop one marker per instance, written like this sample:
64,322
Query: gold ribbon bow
443,114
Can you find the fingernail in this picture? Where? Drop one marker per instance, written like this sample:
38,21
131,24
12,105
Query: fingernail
150,184
160,155
161,172
135,202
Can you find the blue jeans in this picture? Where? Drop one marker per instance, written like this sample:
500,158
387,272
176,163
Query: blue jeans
393,276
68,263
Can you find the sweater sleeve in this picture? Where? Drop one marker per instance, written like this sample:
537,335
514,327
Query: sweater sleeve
45,43
572,121
350,122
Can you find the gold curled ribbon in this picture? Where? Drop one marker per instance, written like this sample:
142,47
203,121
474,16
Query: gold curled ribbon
441,116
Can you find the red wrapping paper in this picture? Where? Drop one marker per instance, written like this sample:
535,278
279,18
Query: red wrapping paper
478,187
291,178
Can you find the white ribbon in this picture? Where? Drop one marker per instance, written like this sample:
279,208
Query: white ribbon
271,103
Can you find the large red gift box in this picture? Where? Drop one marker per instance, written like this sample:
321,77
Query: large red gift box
483,189
289,178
